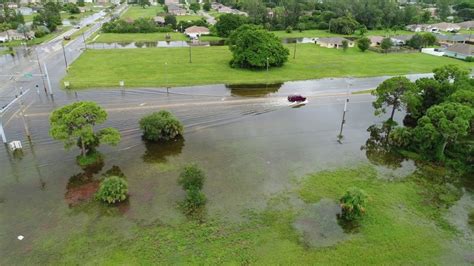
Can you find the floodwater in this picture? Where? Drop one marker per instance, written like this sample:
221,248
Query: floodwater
249,142
173,44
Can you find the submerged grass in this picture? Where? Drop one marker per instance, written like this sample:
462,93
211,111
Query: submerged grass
210,65
396,230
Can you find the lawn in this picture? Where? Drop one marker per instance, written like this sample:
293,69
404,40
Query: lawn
139,37
325,33
400,228
136,11
210,65
43,39
188,18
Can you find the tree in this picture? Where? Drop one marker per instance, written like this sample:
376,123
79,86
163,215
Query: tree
428,39
228,23
49,16
254,47
443,124
449,73
390,93
195,7
386,44
170,20
301,27
345,45
23,29
442,9
206,6
144,3
343,25
161,126
416,41
353,204
363,43
74,124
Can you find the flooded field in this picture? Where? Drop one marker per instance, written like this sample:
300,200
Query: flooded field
250,143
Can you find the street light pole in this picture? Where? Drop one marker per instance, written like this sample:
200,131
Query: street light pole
64,54
47,78
294,52
190,59
2,132
166,77
41,70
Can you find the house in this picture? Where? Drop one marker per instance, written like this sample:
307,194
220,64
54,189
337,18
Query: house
176,10
13,35
449,39
401,39
333,42
195,32
418,27
460,51
375,40
25,11
467,25
444,26
159,20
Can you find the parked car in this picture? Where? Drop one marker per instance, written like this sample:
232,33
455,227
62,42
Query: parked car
67,37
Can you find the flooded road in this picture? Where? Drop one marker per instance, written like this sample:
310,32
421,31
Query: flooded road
250,147
250,143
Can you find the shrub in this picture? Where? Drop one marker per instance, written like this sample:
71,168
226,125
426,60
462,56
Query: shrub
91,158
191,177
112,189
194,200
363,43
469,59
289,29
41,31
353,204
161,125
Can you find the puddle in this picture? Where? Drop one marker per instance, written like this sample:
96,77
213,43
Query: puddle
157,44
318,224
255,90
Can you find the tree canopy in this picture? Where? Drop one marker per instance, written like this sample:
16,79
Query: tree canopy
228,23
254,47
74,124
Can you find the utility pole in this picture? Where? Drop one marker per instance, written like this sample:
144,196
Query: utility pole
47,78
41,70
64,54
340,136
267,68
22,112
190,59
2,132
166,77
294,52
84,39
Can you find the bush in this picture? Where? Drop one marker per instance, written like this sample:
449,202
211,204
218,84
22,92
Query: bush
194,200
161,125
90,159
353,204
112,189
363,43
469,59
191,177
41,31
289,29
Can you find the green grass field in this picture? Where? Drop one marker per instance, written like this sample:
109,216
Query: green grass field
325,33
104,68
188,18
139,37
136,11
399,228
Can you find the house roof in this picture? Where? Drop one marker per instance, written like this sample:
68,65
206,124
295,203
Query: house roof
376,39
453,38
466,24
333,40
445,25
196,30
403,38
462,48
159,19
